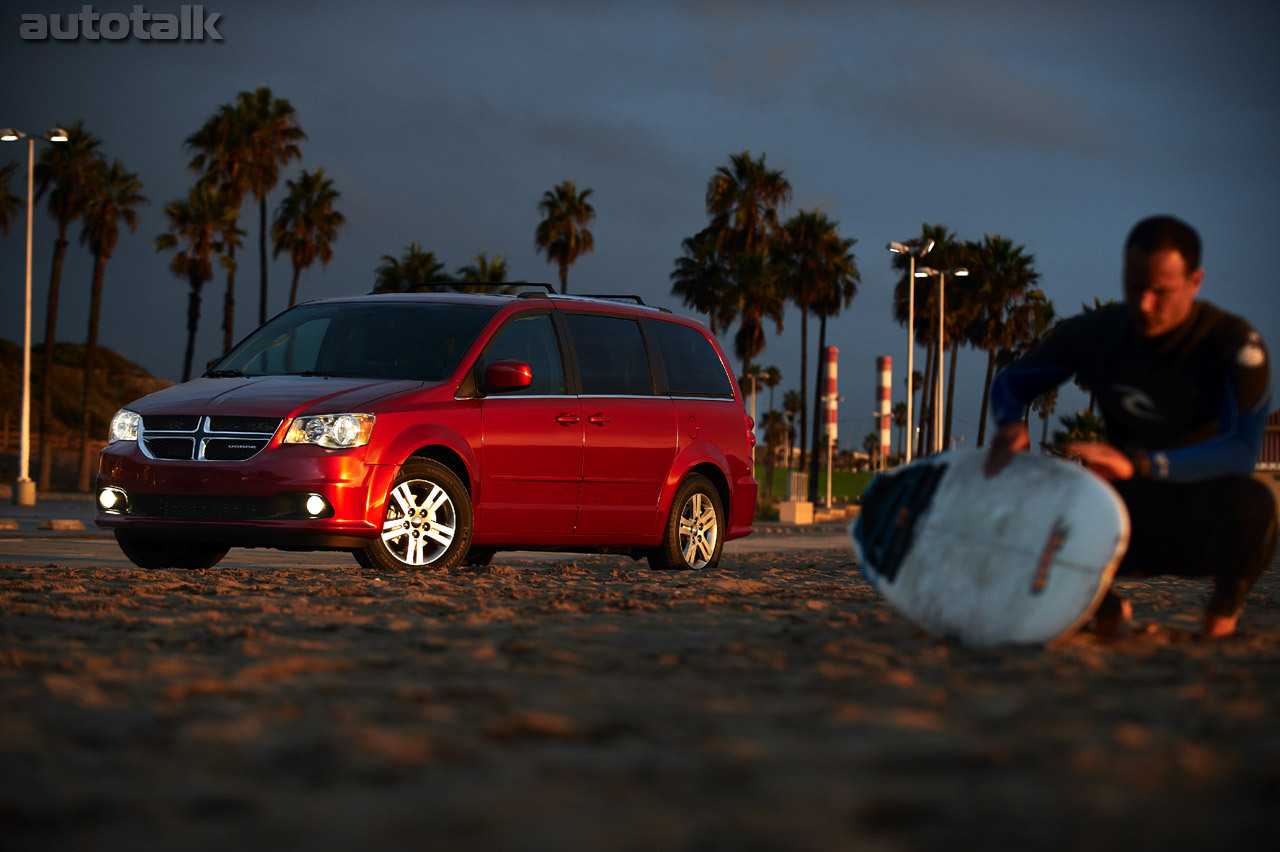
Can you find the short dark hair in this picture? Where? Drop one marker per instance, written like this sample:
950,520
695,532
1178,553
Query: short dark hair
1158,233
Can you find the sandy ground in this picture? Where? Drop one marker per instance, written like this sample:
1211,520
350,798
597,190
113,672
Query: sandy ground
286,701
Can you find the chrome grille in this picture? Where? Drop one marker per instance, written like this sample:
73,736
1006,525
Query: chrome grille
196,438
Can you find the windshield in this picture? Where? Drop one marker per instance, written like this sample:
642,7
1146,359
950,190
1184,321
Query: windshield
388,340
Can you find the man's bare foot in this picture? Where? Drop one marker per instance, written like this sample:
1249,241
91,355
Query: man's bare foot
1113,618
1218,626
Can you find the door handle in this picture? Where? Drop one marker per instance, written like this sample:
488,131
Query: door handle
566,419
598,419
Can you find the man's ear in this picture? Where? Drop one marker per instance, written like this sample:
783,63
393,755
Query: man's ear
1195,279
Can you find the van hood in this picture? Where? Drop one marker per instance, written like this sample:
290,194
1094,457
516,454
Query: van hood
271,396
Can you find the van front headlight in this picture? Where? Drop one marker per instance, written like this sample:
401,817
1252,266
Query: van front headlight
334,431
124,426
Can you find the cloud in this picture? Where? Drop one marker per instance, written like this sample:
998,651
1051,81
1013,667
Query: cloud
963,95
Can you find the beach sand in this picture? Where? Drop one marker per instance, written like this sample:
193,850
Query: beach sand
775,703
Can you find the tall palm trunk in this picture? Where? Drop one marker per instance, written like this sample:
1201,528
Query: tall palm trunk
925,393
817,411
90,351
45,465
229,303
262,258
951,392
293,288
193,323
804,378
986,395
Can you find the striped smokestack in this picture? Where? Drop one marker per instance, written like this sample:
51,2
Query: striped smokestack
884,367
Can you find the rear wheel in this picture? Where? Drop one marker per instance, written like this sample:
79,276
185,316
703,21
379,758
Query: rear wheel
694,536
427,523
183,555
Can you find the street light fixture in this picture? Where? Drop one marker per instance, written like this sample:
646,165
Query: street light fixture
927,272
24,491
912,252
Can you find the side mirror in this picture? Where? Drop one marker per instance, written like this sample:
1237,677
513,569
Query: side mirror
507,374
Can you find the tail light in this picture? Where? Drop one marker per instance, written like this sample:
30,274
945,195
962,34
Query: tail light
751,430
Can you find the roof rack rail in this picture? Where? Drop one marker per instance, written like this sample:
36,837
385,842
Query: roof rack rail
502,287
613,297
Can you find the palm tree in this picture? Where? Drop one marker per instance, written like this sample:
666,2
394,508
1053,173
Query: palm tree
306,225
743,200
775,437
562,234
113,196
269,133
945,254
483,269
701,278
750,383
1005,304
1081,426
62,171
9,203
792,405
962,307
899,414
771,377
818,265
196,226
221,160
416,268
1044,406
754,297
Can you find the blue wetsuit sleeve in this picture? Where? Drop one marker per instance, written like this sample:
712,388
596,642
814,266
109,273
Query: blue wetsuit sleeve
1039,371
1017,385
1242,422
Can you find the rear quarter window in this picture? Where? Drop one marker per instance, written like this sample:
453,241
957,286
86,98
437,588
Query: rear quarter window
693,366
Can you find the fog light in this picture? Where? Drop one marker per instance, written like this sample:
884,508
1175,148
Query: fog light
316,504
111,499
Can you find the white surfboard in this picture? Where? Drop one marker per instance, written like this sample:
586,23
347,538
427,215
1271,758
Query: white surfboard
1023,557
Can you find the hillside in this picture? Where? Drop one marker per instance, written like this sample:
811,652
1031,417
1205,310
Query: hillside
117,381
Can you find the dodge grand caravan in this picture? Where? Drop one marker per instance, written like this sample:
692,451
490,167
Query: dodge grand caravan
429,429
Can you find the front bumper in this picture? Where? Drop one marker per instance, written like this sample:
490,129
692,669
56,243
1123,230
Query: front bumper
259,502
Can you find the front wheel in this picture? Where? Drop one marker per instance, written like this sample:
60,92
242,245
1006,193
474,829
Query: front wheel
694,536
183,555
427,523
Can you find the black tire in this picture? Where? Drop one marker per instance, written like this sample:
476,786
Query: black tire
694,536
182,555
479,557
427,523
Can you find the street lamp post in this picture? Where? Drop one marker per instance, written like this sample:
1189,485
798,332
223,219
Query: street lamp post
24,491
927,272
912,252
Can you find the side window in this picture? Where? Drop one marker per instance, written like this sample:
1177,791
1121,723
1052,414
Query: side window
612,359
693,366
531,339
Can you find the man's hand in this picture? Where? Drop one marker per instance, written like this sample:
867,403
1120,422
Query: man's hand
1103,459
1010,439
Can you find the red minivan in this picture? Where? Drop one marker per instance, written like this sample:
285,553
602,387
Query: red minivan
429,429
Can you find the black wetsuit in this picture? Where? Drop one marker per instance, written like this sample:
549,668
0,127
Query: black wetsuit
1189,408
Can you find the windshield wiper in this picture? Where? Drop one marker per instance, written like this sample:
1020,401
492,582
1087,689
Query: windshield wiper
226,374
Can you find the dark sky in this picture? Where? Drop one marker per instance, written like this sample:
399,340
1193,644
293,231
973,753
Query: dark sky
1055,125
